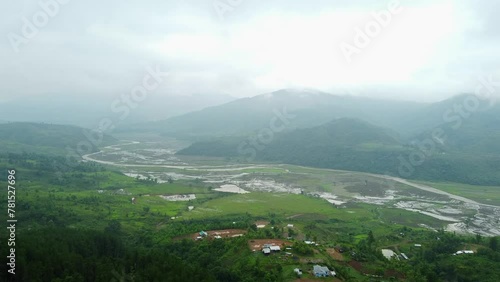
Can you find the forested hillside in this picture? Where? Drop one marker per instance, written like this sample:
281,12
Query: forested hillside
357,145
20,137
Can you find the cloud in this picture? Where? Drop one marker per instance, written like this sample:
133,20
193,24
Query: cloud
428,51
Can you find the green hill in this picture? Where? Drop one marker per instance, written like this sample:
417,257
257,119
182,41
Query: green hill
41,138
342,143
351,144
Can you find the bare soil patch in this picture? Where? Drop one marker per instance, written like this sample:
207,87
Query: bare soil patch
334,254
356,265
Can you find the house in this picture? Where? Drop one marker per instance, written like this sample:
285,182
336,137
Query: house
275,248
298,271
404,255
203,234
418,245
463,252
388,254
290,226
321,271
266,251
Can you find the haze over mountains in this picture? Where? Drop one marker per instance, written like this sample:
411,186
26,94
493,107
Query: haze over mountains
308,108
40,138
87,110
226,140
457,139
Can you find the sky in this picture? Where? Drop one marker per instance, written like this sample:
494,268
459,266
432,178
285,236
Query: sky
411,50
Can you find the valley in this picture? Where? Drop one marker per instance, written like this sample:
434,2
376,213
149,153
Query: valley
439,209
133,205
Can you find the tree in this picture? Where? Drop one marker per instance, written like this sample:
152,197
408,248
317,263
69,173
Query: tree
114,226
494,243
371,238
170,180
478,238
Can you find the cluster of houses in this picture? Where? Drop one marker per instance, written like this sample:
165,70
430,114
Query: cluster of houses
268,248
318,271
202,234
390,254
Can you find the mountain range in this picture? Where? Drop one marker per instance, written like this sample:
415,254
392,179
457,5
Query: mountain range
309,108
457,139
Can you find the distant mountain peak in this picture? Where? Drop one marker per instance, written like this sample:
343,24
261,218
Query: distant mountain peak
299,90
294,93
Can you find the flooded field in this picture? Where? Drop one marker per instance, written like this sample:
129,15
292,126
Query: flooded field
158,161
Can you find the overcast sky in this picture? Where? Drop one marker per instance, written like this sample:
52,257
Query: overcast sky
428,51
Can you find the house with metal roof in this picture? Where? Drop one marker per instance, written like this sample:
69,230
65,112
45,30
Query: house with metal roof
321,271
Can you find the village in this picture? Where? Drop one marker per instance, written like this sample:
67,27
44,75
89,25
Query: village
272,247
307,264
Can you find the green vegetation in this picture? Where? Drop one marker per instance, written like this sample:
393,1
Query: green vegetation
92,230
100,225
482,194
357,146
42,138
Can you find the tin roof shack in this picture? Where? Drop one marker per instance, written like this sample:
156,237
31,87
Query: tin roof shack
275,248
388,254
463,252
322,271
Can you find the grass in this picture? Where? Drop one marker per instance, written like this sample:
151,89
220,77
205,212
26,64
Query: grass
310,209
407,218
261,204
482,194
80,205
151,210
